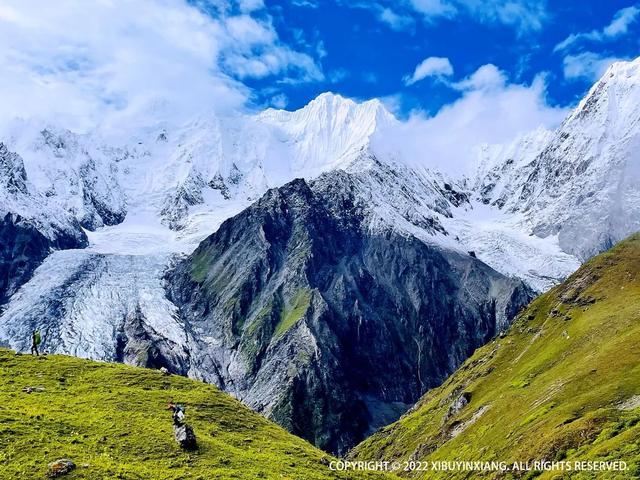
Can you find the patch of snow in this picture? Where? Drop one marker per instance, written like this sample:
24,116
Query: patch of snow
501,242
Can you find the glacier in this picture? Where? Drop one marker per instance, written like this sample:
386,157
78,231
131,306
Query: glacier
532,209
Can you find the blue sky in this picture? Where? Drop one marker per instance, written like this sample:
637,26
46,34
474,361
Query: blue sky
365,48
87,65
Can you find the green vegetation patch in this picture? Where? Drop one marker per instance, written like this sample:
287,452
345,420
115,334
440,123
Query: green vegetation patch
292,313
200,265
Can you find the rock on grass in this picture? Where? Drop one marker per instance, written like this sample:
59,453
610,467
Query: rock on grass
60,467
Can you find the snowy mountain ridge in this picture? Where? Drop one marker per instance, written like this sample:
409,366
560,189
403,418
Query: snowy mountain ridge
583,182
534,210
19,198
167,175
143,200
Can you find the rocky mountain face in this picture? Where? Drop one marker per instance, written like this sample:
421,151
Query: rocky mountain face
561,383
158,192
71,172
171,172
580,182
328,326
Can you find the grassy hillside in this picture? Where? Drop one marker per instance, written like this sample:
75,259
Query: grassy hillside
563,383
111,421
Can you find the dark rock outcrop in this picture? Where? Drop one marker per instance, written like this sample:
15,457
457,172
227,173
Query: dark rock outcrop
331,327
185,436
24,247
138,344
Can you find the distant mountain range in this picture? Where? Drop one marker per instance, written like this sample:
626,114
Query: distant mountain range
283,258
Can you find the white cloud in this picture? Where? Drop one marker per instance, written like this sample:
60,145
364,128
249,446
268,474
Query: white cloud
279,101
253,51
306,3
86,64
321,50
524,15
394,20
249,32
587,66
490,110
619,26
393,103
435,8
621,21
9,14
247,6
484,78
338,75
430,67
387,14
298,67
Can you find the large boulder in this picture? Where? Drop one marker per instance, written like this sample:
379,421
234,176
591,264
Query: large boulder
185,436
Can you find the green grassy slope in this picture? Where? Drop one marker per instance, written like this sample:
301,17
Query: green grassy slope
111,421
563,383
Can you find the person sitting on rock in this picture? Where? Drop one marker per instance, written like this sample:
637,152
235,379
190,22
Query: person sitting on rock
36,340
178,413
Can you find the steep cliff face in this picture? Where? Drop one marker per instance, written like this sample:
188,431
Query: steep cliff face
72,173
28,231
24,247
328,326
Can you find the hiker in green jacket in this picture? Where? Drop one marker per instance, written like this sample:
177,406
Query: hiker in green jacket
36,340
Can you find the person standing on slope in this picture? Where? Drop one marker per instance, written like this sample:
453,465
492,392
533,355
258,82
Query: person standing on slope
36,340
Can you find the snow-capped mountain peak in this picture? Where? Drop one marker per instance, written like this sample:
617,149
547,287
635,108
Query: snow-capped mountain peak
618,91
328,132
333,108
173,185
537,207
582,182
188,178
